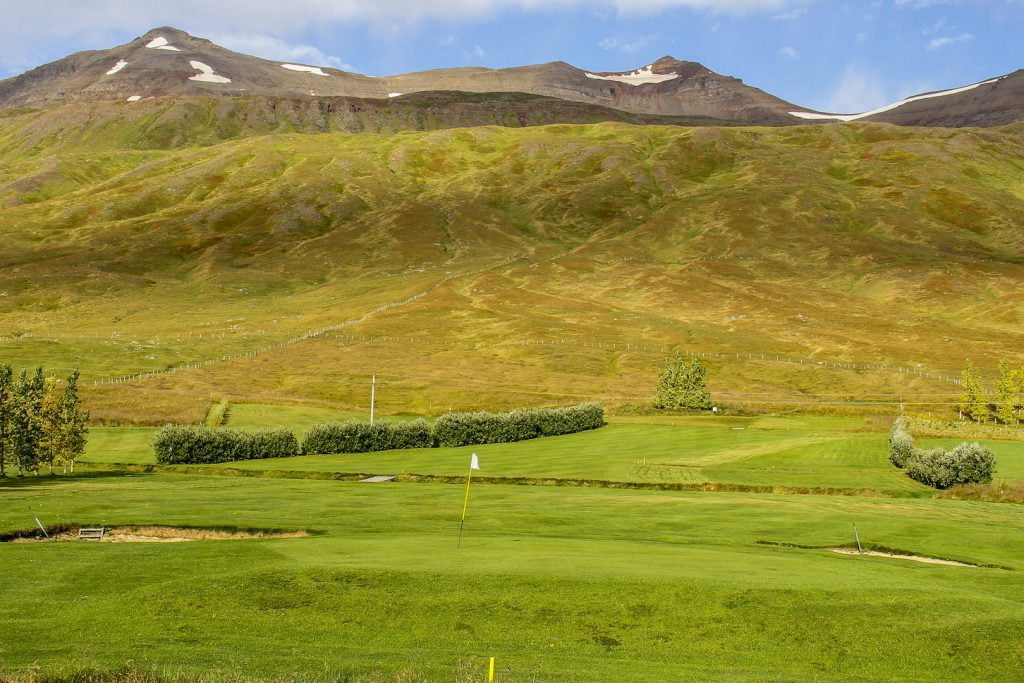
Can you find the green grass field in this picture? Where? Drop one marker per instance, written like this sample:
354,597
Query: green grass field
787,451
557,584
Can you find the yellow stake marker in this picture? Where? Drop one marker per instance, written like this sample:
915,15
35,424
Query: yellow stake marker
490,672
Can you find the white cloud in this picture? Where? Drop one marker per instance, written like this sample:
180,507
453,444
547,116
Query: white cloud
270,47
28,25
626,45
476,54
789,52
858,90
790,15
283,18
946,41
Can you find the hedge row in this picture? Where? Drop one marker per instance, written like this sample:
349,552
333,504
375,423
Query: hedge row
362,437
178,445
201,445
466,429
968,463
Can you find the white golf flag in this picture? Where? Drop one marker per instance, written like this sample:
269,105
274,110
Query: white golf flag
474,463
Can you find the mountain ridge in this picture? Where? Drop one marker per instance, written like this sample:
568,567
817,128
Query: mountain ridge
168,62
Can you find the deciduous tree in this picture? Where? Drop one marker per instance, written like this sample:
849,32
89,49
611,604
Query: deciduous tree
6,415
1009,390
74,423
972,401
27,424
683,384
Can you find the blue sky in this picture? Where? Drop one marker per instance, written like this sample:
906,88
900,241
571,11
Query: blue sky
833,55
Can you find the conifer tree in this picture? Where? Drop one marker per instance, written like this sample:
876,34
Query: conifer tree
1008,393
972,401
6,415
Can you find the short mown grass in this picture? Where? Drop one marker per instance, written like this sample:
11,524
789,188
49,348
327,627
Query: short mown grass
557,584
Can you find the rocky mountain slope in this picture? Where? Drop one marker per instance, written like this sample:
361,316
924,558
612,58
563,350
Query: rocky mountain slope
994,102
167,62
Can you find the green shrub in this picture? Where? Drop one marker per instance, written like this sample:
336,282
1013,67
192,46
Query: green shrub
465,429
968,463
354,436
901,443
177,445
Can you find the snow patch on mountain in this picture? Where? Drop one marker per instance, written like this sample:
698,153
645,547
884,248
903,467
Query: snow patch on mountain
811,116
306,69
395,94
206,74
135,98
638,77
117,67
160,43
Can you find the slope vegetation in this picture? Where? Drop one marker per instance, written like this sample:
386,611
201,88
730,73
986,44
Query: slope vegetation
441,260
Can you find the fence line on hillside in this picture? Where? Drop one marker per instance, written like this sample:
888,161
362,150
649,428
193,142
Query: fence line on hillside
330,332
310,334
662,350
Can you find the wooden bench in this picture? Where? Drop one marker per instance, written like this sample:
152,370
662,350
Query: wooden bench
91,534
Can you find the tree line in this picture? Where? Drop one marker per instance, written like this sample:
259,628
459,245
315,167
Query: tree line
42,422
1008,407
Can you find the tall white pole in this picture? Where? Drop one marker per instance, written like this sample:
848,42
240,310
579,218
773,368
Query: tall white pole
373,395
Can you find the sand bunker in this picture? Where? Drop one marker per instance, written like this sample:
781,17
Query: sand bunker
897,556
153,534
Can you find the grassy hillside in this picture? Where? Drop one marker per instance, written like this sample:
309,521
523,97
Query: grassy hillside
126,251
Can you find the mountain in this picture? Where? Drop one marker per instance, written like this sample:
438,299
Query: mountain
994,102
168,62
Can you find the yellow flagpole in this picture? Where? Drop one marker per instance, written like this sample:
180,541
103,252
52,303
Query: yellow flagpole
465,504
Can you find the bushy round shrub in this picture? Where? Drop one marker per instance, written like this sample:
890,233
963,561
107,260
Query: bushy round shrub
968,463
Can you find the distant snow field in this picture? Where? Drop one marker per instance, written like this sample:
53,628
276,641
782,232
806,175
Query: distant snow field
117,67
811,116
135,98
395,94
160,43
206,74
638,77
307,69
